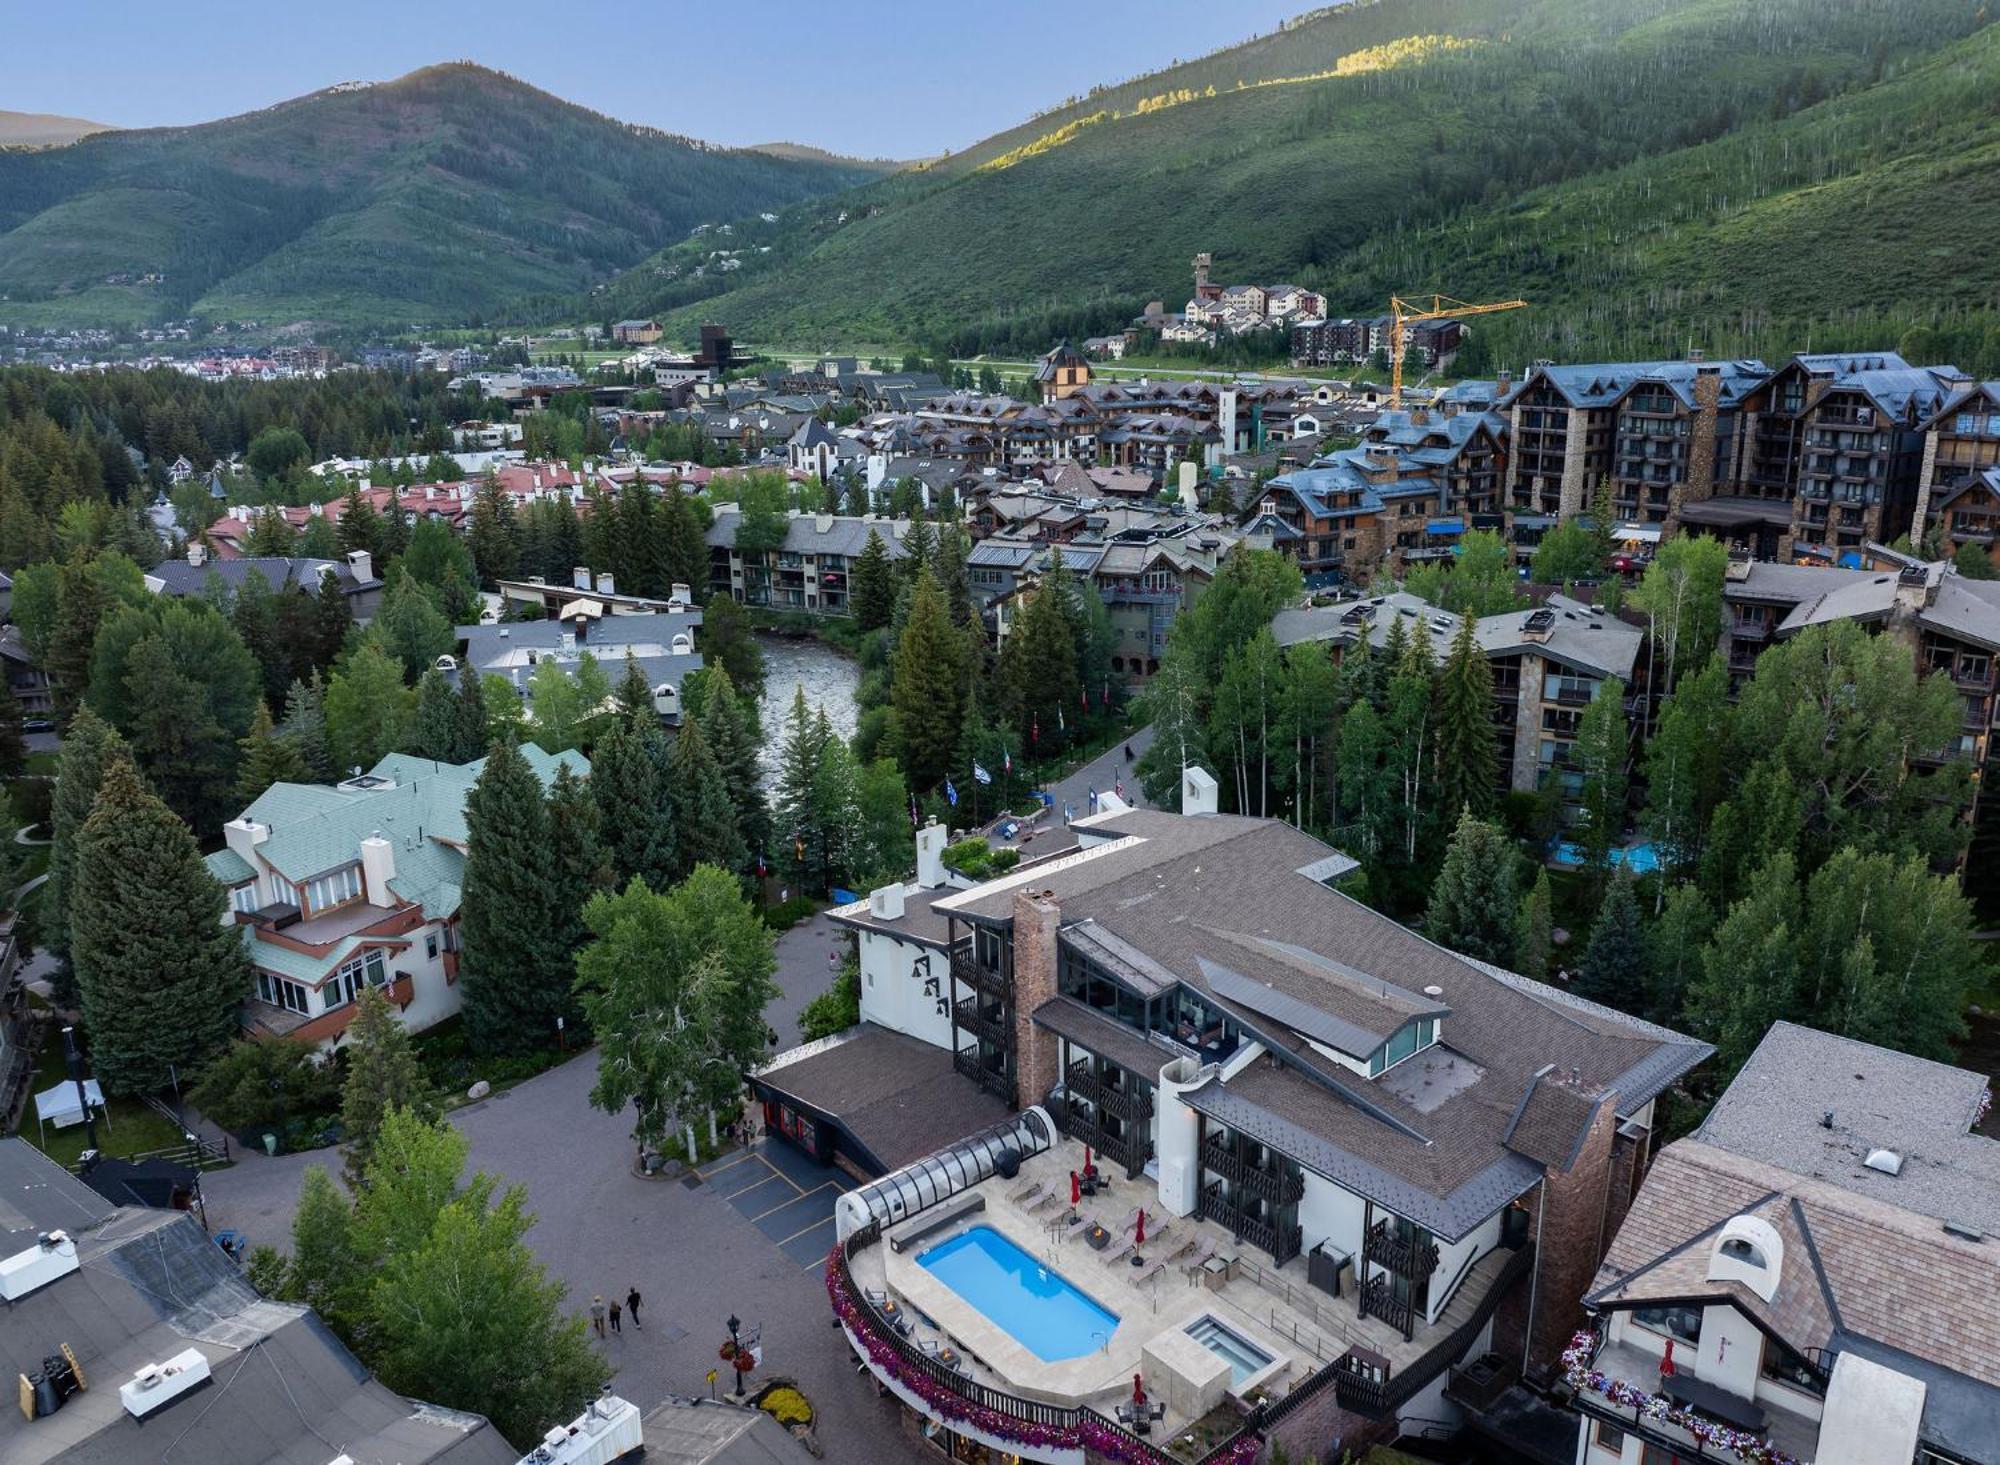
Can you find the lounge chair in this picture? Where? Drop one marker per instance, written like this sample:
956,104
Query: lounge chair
1077,1223
1132,1221
928,1348
876,1296
1028,1195
1202,1252
1117,1249
1046,1198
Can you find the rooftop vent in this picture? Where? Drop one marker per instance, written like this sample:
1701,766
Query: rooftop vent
158,1384
1434,991
51,1257
1887,1161
1964,1231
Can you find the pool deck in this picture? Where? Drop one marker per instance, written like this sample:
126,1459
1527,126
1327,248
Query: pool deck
1301,1329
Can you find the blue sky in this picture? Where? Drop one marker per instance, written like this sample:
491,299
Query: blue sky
887,78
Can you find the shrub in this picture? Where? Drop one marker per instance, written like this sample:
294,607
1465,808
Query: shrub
269,1083
836,1009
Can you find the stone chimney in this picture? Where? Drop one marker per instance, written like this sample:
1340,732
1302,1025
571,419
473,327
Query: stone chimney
1198,791
1037,918
1503,383
378,868
931,841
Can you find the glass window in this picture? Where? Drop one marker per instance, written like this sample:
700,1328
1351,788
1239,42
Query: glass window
264,985
1608,1437
377,970
431,946
1682,1323
244,898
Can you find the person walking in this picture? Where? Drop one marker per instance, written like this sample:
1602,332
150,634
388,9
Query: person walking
614,1317
632,1306
597,1315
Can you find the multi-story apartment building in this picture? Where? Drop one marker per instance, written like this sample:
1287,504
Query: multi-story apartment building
1809,1276
1549,664
808,571
336,888
660,645
1345,1157
1961,470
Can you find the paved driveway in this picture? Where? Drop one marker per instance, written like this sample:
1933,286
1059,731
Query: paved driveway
747,1237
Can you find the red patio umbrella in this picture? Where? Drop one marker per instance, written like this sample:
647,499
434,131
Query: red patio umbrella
1138,1390
1139,1237
1667,1363
1087,1166
1075,1189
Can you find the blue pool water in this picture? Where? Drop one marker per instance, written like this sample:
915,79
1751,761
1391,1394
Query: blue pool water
1038,1307
1640,859
1243,1357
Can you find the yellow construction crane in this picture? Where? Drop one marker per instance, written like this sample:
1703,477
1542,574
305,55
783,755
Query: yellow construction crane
1442,307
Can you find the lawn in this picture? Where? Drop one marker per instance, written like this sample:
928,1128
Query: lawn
132,1128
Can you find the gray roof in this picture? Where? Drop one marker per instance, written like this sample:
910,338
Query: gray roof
920,922
1584,637
898,1097
1880,1099
515,649
716,1432
37,1195
152,1284
843,534
178,577
1952,605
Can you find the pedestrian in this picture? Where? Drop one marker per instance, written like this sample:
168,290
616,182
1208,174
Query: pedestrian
614,1317
1128,752
597,1315
632,1306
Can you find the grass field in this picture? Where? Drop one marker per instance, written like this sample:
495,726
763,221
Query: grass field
128,1128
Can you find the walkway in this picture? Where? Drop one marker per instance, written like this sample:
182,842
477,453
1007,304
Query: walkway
784,1194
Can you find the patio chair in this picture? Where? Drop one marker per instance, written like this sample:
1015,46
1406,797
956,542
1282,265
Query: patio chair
1132,1221
1027,1195
1077,1223
928,1348
876,1296
1117,1249
1046,1198
1201,1253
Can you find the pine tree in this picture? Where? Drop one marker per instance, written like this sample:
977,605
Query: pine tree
162,977
13,744
269,757
87,745
491,532
332,619
730,739
1601,752
927,689
1467,749
707,819
919,545
681,539
579,863
1039,684
434,730
469,734
305,725
1537,929
1614,967
383,1073
515,966
874,596
1473,901
798,767
82,604
635,693
634,807
367,709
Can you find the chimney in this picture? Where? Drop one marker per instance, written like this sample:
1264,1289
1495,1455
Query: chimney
1695,353
361,563
1198,791
197,552
1037,918
378,868
1503,383
243,836
886,903
582,630
579,578
930,855
605,584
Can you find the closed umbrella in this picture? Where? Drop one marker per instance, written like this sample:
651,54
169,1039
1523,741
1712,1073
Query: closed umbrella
1075,1188
1139,1236
1667,1363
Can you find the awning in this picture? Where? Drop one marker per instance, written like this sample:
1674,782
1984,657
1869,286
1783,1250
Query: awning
1534,521
1639,533
1445,526
1732,512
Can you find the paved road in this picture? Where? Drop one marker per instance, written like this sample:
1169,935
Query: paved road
1102,773
748,1239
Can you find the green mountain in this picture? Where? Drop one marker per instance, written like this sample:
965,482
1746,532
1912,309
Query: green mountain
452,193
1748,173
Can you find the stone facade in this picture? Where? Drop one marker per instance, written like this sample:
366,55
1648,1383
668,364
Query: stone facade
1037,1055
1574,1233
1575,491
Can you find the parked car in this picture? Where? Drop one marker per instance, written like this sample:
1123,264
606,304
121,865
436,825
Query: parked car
38,724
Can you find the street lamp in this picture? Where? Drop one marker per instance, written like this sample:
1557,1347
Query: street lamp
736,1351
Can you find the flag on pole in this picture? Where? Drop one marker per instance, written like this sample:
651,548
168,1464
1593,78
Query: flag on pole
950,794
1061,726
1105,700
980,775
1083,696
1007,762
1035,730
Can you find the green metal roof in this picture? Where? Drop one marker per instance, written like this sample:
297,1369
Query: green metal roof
229,867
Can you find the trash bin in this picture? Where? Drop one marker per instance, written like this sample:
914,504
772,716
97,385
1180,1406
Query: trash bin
270,1143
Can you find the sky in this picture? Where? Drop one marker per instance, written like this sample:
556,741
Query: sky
872,78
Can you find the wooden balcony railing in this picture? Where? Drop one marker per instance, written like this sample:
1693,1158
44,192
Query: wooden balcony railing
1401,1255
1275,1186
966,1061
977,977
1378,1299
1134,1108
1283,1242
970,1015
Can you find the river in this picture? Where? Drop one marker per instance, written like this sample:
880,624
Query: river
830,680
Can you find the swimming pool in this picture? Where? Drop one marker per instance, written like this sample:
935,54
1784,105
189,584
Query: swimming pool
1640,859
1243,1357
1040,1309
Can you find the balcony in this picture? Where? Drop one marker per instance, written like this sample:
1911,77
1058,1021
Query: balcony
968,1014
1274,1186
993,1080
1134,1108
1281,1241
980,979
1404,1256
1131,1148
1378,1300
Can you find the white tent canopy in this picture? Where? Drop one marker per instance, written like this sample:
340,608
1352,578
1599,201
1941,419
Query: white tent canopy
61,1107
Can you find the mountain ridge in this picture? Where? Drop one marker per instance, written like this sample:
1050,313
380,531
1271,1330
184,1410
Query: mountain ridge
44,129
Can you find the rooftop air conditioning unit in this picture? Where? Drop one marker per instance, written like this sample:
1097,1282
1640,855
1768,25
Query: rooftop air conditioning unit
158,1384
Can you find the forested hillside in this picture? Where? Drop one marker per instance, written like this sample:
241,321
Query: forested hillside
448,194
1747,173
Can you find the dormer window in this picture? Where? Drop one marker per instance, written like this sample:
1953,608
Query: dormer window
1411,1040
1744,1251
1750,1251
